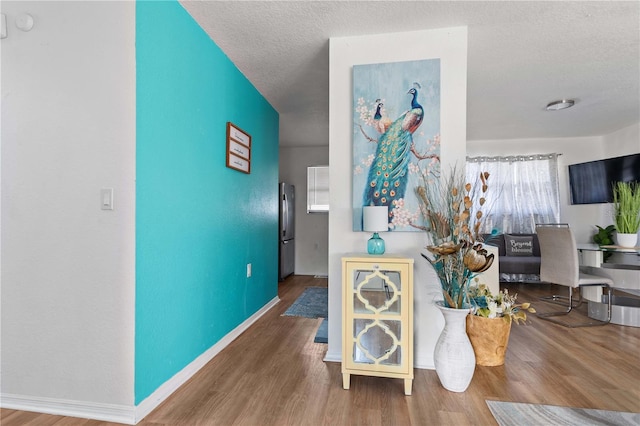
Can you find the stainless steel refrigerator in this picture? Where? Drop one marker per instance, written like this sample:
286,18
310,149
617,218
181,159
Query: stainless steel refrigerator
287,231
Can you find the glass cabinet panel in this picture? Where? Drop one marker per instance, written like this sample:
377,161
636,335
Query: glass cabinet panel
376,291
377,341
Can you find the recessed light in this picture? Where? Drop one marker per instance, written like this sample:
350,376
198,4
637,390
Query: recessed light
558,105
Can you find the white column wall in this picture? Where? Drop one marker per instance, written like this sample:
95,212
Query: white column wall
68,267
450,45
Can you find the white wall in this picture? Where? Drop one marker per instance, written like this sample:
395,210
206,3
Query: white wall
68,277
450,45
622,142
312,229
582,218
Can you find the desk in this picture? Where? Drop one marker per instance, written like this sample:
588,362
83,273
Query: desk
623,267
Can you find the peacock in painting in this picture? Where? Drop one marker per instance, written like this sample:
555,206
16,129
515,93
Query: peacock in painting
388,174
380,123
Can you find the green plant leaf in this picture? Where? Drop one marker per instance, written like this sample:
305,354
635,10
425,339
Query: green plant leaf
626,207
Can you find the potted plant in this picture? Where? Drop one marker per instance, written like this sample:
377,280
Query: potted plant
452,216
626,212
604,237
489,326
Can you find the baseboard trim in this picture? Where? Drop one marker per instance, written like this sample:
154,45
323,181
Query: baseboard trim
123,413
421,366
70,408
167,388
332,357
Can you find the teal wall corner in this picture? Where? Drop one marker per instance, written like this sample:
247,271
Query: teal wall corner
198,223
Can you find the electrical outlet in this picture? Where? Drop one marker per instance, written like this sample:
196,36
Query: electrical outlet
248,270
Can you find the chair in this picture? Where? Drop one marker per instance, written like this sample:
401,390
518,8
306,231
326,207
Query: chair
559,264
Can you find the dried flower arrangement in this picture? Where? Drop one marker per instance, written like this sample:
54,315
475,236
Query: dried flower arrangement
453,221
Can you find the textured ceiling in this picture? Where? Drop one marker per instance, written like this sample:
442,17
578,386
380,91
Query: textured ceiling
521,56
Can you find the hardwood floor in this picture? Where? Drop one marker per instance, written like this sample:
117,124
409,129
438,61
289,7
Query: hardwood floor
273,374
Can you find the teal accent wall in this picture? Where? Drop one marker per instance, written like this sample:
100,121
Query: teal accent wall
198,223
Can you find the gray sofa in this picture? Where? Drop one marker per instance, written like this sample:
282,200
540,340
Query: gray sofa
519,256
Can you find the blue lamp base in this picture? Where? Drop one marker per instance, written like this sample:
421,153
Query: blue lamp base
375,245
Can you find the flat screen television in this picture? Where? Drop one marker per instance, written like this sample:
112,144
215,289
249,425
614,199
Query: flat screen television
591,182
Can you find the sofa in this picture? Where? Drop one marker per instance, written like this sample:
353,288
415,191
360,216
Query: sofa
518,256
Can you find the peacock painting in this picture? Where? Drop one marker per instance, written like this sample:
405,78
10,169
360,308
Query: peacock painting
397,128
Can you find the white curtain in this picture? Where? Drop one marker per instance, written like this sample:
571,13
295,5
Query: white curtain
523,191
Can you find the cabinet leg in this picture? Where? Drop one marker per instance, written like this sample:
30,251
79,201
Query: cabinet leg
346,380
407,386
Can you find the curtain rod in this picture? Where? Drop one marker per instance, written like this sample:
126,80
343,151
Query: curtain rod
522,157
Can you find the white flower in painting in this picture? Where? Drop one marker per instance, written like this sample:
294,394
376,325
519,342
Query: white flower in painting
414,168
357,170
364,113
401,216
369,160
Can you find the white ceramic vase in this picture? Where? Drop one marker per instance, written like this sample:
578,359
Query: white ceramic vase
454,358
627,240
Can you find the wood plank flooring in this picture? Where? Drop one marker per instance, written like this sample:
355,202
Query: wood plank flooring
273,374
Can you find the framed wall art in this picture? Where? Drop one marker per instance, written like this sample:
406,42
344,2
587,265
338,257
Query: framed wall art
396,138
238,149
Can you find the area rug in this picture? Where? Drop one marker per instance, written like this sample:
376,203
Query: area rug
519,414
322,335
312,303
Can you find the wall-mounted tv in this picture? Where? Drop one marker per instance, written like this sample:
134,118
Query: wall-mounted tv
591,182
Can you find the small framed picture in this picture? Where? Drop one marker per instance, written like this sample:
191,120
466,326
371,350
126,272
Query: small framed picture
238,148
238,163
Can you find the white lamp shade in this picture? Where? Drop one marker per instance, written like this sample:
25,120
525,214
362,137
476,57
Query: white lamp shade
375,218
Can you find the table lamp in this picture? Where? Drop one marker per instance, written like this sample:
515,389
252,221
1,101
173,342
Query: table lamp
375,219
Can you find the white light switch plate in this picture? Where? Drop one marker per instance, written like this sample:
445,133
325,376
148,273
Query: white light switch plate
106,198
3,25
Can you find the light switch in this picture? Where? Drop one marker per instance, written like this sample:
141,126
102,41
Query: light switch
106,198
3,25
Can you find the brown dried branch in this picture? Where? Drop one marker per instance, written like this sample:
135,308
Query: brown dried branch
420,227
370,139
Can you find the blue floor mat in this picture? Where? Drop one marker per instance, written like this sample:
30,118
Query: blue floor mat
322,335
312,303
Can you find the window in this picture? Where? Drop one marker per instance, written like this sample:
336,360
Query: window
318,189
523,191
